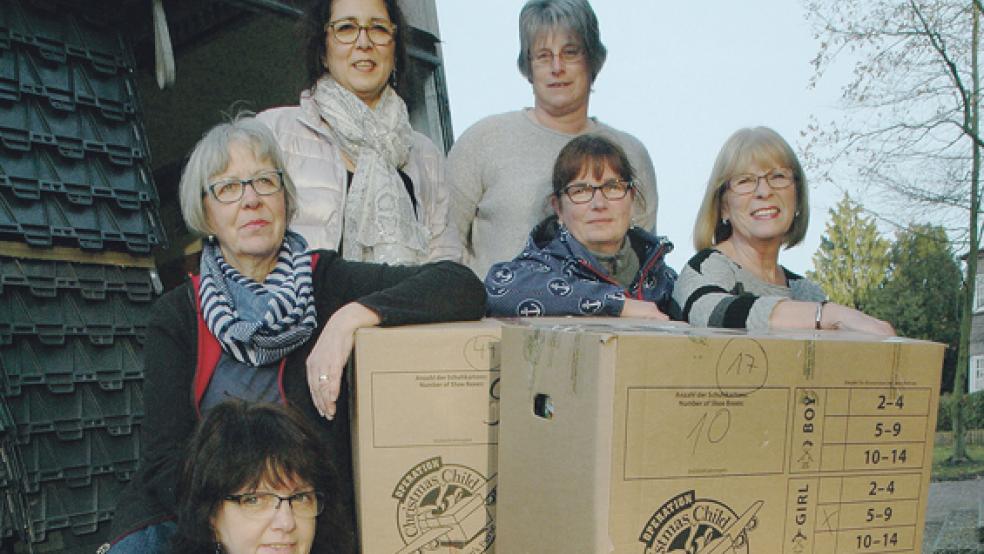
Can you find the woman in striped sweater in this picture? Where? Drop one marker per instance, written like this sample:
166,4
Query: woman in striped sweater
756,202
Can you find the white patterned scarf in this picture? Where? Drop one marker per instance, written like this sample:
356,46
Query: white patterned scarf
285,299
379,224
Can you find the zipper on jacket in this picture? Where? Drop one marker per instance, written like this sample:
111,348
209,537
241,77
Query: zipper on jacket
642,274
600,275
649,266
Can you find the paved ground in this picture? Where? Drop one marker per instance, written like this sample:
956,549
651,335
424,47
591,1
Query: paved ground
953,517
947,496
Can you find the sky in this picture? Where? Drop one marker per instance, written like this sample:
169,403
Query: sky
680,76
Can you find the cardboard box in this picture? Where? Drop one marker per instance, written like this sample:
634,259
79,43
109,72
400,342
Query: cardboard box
650,439
425,434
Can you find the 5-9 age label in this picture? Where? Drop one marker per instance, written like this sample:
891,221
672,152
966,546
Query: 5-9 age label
847,429
879,433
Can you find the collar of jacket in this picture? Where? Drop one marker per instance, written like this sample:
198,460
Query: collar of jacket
552,239
311,118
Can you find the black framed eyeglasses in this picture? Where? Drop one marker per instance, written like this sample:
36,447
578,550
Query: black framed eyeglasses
746,183
264,183
347,31
305,504
582,193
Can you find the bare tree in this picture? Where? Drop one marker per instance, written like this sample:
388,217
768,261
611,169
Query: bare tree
910,133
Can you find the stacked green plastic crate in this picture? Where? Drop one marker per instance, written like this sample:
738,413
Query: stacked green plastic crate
76,197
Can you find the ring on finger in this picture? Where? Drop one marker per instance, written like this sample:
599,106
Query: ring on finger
323,378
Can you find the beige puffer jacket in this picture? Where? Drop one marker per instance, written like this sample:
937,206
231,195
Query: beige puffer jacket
317,167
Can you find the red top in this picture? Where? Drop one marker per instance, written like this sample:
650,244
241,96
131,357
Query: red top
209,351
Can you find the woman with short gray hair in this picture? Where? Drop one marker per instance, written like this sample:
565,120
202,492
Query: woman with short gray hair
500,168
266,320
212,156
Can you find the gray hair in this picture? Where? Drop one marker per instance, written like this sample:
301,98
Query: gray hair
575,16
210,157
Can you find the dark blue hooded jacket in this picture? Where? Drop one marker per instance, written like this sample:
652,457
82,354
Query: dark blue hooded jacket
556,275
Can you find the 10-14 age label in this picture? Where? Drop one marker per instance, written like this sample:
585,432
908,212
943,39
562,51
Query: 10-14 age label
878,431
852,471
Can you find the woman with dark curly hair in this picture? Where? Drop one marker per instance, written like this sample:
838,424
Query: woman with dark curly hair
255,478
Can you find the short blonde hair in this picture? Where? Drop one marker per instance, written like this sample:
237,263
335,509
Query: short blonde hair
756,145
210,157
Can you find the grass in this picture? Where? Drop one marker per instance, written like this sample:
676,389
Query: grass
945,472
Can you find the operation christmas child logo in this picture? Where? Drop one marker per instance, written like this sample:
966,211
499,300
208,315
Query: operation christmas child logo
686,524
445,508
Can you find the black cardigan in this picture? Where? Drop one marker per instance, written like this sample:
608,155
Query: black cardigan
442,291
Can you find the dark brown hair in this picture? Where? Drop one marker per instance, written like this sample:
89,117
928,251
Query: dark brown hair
318,14
238,446
590,151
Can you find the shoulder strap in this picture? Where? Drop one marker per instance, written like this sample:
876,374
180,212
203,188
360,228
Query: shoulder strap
209,350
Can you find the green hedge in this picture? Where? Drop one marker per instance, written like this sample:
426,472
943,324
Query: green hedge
974,411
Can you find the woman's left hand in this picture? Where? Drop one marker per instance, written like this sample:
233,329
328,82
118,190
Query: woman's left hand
642,308
836,316
326,363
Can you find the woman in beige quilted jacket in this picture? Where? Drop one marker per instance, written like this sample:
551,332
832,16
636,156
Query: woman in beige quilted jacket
369,186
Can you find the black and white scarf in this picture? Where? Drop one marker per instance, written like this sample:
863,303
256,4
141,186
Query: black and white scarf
285,298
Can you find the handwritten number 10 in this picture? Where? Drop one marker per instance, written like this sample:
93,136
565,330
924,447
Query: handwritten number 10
716,429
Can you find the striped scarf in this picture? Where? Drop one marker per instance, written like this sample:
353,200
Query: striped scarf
285,299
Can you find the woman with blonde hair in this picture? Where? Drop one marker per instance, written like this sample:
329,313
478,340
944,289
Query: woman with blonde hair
756,203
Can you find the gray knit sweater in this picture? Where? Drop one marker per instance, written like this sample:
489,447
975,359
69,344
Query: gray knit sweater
500,171
714,291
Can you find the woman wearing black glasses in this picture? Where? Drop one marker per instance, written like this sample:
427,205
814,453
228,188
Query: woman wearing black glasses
756,202
255,480
587,259
266,320
369,186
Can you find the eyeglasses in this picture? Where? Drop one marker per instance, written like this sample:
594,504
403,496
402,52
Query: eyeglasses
347,31
746,183
264,183
306,504
582,193
568,54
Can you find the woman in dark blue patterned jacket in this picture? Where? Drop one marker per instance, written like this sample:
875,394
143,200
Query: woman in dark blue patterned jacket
587,259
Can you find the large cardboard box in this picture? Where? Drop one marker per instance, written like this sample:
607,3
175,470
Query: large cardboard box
425,432
647,439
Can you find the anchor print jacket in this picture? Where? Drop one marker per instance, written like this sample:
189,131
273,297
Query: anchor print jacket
556,275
